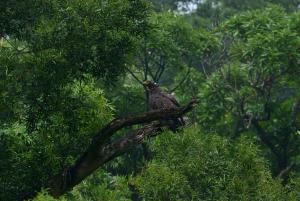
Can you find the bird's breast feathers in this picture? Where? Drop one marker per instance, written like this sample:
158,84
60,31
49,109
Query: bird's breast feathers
159,101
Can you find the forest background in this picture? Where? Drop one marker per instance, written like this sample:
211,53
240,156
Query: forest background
69,67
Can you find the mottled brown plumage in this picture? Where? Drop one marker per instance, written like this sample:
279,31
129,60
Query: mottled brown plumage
159,99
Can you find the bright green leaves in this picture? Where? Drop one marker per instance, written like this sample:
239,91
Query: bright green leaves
213,12
17,18
159,183
72,128
57,142
170,45
90,34
71,40
264,54
256,91
256,22
193,166
57,55
101,186
52,53
268,44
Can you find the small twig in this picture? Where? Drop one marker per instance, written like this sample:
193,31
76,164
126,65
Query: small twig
204,70
265,138
160,68
286,170
182,81
134,76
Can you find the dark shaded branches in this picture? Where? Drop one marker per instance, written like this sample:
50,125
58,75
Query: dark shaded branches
101,150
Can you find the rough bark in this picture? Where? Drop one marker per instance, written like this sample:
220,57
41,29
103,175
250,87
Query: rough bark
101,150
265,138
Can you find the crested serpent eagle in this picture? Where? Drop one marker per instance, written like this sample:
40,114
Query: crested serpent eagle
159,99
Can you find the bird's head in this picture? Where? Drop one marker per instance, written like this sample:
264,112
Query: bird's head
150,85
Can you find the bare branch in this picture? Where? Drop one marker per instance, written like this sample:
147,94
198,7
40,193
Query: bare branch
204,70
264,137
286,171
295,111
134,76
146,61
161,68
182,81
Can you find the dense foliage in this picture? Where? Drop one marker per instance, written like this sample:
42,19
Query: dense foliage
208,167
69,67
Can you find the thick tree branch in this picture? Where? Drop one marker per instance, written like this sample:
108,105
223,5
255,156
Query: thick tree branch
101,151
120,146
264,137
147,117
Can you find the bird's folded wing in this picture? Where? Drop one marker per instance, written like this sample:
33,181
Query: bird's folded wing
171,98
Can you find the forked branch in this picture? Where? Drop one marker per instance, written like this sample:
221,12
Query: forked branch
101,150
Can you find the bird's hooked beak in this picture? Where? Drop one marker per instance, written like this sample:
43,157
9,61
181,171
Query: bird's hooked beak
150,84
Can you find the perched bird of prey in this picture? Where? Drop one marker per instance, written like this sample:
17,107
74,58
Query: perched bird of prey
163,100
